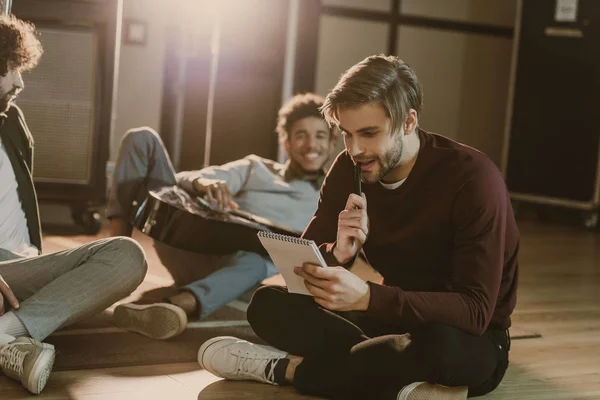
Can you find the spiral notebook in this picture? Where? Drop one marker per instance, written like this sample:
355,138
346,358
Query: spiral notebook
288,252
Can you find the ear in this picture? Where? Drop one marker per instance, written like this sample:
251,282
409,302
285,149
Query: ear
286,145
411,121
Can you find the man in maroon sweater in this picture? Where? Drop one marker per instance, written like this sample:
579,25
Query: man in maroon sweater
435,220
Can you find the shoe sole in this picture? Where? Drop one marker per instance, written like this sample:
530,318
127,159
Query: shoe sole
157,321
41,369
435,392
205,347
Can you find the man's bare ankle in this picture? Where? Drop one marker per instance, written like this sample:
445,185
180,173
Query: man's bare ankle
186,301
290,371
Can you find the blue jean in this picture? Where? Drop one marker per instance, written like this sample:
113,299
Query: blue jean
239,273
143,164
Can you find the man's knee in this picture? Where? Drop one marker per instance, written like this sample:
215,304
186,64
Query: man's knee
130,256
252,266
139,136
264,299
441,350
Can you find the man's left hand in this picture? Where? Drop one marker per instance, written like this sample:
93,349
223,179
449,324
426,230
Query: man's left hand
335,288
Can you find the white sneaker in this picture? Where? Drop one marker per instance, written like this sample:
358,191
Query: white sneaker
6,339
232,358
28,361
428,391
157,321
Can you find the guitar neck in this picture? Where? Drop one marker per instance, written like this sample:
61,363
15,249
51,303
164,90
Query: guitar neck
264,221
251,217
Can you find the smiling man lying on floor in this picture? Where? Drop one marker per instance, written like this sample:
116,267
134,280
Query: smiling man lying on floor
283,193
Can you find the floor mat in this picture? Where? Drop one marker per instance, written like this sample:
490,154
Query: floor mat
118,349
97,343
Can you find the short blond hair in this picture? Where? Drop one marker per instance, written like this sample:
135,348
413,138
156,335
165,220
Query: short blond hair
384,79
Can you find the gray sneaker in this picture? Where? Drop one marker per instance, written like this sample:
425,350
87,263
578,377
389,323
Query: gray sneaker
157,321
28,361
428,391
236,359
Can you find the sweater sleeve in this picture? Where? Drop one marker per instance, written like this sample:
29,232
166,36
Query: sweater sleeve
235,173
479,221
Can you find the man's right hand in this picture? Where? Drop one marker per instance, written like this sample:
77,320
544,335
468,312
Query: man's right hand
353,229
7,295
217,192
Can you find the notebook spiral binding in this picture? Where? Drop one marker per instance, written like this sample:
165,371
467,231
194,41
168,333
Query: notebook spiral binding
285,238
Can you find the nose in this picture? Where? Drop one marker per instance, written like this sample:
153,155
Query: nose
17,80
352,146
311,142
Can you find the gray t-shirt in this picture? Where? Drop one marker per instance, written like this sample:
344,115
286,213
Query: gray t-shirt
262,187
14,234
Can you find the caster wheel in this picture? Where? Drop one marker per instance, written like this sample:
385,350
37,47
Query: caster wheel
590,219
90,221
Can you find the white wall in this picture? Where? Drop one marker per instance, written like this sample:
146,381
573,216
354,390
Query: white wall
465,80
476,11
342,43
375,5
140,83
464,75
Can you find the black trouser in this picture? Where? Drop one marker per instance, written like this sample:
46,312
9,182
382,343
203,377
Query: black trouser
351,355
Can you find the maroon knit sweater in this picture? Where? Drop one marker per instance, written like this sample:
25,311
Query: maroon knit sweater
445,241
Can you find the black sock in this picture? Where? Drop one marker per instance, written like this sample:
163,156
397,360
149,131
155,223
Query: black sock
279,372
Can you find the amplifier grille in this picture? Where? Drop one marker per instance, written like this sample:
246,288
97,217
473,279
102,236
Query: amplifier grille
58,102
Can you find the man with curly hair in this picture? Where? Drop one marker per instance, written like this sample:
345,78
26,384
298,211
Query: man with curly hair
41,293
19,51
284,193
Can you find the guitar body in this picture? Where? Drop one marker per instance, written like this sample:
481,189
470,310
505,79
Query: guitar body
174,217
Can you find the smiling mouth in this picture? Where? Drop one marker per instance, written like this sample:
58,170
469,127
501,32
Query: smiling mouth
311,156
366,165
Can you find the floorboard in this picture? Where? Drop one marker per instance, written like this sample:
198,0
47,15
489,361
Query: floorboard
559,295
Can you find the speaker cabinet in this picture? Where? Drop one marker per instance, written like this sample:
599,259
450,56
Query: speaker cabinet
68,100
552,149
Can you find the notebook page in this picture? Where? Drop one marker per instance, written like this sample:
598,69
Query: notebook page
289,254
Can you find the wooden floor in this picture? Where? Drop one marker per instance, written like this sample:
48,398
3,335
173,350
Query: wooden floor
559,297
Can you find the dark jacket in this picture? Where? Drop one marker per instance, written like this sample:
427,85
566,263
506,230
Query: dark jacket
18,143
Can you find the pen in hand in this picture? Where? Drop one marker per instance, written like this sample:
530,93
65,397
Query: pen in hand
357,182
353,223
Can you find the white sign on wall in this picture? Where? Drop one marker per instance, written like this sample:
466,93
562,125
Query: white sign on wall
566,10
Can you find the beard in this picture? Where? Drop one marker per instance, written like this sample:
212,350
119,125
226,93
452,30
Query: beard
387,162
6,101
4,105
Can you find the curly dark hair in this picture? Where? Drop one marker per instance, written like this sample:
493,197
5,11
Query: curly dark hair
298,107
20,49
